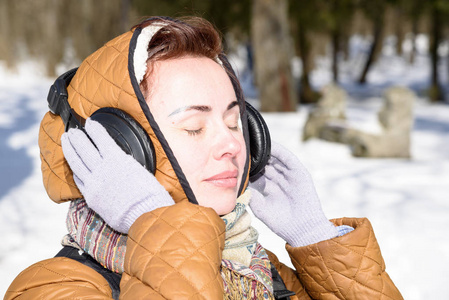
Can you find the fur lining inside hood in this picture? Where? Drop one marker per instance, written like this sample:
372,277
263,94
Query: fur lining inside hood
110,77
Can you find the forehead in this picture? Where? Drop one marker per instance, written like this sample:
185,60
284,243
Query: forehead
189,81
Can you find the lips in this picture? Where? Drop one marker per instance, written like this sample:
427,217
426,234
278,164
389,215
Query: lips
225,179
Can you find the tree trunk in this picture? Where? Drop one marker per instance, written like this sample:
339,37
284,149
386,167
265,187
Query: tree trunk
82,29
306,94
8,44
52,24
399,30
335,50
273,51
414,34
124,15
375,46
435,92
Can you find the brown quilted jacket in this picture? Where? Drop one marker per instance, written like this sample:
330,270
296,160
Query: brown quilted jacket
175,252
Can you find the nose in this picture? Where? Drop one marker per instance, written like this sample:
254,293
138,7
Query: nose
227,143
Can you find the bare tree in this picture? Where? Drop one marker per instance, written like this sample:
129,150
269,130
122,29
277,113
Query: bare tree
6,44
273,51
340,14
436,36
375,11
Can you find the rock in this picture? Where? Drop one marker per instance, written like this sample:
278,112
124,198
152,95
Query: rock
331,107
396,118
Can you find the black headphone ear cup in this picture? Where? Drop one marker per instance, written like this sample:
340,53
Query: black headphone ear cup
128,134
259,140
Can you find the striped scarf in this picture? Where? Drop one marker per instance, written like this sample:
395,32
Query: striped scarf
246,269
88,232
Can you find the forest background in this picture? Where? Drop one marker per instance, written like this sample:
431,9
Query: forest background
274,32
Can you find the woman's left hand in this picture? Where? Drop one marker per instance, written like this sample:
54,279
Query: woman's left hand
284,198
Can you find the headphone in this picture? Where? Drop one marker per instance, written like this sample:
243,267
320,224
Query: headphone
134,140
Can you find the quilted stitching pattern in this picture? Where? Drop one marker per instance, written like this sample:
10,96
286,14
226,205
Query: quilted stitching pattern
177,245
346,267
69,280
107,68
57,175
174,252
290,278
102,80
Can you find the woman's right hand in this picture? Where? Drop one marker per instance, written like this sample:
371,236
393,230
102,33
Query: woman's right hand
112,182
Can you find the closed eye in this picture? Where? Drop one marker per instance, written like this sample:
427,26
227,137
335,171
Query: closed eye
194,132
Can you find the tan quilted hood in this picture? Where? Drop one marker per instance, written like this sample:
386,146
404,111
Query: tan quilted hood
110,77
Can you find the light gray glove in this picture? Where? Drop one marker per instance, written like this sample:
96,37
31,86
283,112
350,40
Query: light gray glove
112,182
284,198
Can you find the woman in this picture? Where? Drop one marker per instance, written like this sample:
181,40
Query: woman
184,232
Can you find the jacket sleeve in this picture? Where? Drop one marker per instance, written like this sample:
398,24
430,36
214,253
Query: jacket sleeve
346,267
174,252
59,278
289,277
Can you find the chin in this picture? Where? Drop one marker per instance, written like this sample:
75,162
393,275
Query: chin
222,205
226,210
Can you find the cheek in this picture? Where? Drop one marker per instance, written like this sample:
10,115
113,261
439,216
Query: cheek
243,155
183,152
190,156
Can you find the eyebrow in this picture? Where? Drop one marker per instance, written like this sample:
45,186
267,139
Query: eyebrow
201,108
232,104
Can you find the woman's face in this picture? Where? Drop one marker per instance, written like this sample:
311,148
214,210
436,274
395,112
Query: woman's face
195,106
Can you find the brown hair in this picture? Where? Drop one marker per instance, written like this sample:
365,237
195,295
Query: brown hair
192,36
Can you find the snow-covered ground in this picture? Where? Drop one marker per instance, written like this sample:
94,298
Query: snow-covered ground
405,200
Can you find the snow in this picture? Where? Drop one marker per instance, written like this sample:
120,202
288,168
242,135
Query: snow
405,199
